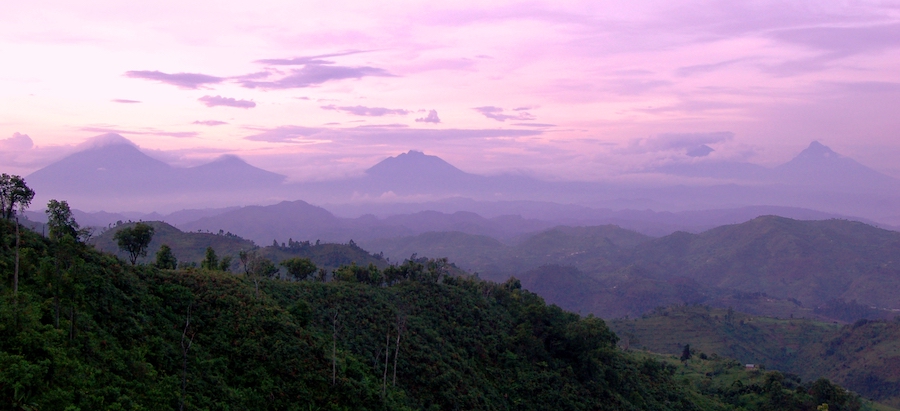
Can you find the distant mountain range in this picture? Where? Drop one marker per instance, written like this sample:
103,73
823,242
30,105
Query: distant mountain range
114,174
759,266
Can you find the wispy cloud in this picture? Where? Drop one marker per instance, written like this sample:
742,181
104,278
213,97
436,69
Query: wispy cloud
148,132
381,134
209,122
315,74
124,101
284,134
432,117
367,111
211,101
496,113
302,61
181,80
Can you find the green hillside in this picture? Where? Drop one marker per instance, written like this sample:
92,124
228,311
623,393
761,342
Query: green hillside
830,269
86,330
864,356
190,247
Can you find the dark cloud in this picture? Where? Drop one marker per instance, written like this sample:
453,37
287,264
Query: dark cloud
496,113
18,142
209,122
211,101
120,100
367,111
182,80
315,74
149,132
284,134
432,117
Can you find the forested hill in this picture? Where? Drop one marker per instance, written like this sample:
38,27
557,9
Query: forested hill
189,248
768,266
85,330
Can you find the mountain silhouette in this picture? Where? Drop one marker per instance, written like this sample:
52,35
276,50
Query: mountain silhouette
819,166
109,168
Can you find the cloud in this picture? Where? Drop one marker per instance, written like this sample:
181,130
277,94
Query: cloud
181,80
211,101
18,142
702,151
693,144
844,41
315,74
148,132
367,111
496,113
284,134
302,61
534,125
688,71
120,100
209,122
390,133
432,117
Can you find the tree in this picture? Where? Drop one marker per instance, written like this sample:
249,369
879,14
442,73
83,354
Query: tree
225,263
165,259
686,353
14,193
135,240
299,268
211,262
60,220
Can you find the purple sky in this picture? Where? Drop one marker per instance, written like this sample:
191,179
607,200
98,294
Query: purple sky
578,90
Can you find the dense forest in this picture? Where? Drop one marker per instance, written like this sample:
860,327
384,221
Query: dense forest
83,329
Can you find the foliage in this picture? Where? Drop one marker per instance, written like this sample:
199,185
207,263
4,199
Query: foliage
165,260
14,193
299,268
135,240
60,220
429,341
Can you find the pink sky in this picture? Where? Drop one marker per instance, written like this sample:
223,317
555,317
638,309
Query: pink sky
574,90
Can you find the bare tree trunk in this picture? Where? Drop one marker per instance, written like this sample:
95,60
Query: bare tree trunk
334,348
16,274
387,359
184,358
397,349
72,322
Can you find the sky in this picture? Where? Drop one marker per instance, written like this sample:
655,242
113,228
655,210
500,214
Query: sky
559,90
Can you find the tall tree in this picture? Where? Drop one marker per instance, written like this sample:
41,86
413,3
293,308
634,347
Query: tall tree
135,240
211,261
165,259
299,268
14,193
60,220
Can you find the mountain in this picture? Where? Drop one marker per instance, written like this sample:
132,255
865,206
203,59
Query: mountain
817,166
111,171
820,166
117,167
